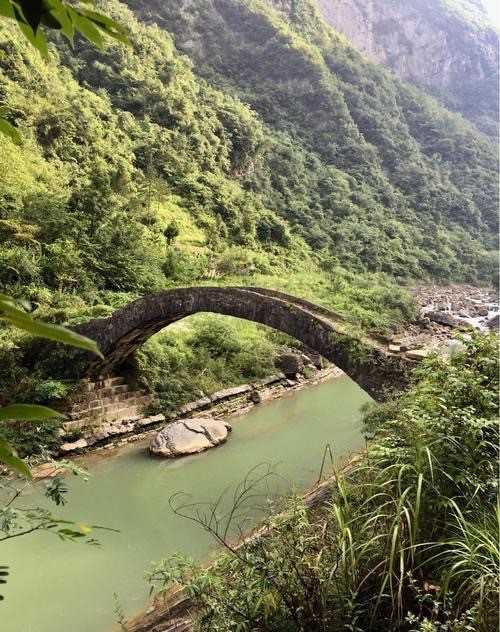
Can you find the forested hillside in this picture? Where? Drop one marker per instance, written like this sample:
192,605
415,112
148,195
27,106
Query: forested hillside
243,143
232,141
119,144
381,174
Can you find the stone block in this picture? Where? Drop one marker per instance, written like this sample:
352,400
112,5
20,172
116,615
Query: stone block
148,421
257,397
418,354
272,379
113,381
227,393
203,402
122,413
75,445
121,388
74,426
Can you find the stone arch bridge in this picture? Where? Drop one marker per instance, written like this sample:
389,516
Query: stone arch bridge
365,360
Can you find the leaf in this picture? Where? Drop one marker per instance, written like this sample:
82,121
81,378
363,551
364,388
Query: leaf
67,26
6,9
27,412
38,39
17,317
9,458
107,25
60,334
85,26
9,130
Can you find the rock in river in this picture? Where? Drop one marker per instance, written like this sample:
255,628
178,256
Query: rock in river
494,322
189,436
443,318
290,364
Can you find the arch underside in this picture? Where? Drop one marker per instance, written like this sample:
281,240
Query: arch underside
318,328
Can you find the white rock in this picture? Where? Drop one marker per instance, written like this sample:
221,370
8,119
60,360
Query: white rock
188,436
76,445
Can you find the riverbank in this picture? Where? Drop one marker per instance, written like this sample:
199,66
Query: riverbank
231,402
391,514
129,491
441,312
173,611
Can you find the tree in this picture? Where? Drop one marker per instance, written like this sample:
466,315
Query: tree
171,232
31,16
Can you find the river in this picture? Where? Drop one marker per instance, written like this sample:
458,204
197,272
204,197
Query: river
57,586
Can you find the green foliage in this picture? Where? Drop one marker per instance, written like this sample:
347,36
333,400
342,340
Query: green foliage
280,155
171,232
32,17
103,152
121,145
28,438
201,355
409,540
13,314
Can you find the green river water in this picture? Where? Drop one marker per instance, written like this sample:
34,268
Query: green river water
64,587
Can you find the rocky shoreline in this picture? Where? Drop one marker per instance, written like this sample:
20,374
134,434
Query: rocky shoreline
232,402
441,312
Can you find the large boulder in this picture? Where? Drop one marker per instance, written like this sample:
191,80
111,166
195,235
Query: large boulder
443,318
290,364
189,436
494,322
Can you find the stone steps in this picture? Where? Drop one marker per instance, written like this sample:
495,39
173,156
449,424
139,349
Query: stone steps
96,405
105,401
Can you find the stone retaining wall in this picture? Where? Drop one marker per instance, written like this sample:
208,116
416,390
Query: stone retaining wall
231,401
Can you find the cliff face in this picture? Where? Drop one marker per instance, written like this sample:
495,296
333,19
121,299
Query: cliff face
449,49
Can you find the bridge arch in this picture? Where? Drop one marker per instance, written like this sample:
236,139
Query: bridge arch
320,329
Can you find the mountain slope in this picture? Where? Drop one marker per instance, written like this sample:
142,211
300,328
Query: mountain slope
100,175
273,134
359,162
446,46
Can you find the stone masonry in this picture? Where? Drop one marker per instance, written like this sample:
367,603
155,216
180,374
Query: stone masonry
365,360
102,402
